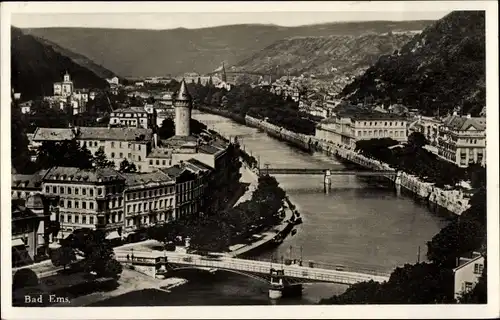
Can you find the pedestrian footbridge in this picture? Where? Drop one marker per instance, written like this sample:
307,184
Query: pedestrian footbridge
260,270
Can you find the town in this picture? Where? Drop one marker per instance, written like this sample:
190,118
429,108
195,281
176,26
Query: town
134,182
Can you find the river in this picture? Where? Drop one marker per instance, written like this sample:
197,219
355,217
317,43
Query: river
358,224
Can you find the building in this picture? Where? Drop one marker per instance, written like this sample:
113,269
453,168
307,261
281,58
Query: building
183,105
118,144
149,199
428,126
347,128
223,84
133,117
462,140
25,107
88,198
192,180
24,186
113,80
64,88
467,273
28,225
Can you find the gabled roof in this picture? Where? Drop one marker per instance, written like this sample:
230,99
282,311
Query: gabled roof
462,123
28,181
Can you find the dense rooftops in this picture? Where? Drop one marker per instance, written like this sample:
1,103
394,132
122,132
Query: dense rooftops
53,134
123,134
140,179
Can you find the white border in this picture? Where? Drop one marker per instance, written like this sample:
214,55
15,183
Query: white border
431,311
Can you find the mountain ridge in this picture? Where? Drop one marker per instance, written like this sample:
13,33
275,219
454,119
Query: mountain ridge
140,52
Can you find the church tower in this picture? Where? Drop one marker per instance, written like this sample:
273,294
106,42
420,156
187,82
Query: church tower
183,105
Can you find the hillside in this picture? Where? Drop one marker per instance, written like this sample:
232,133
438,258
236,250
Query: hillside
35,67
440,69
79,59
333,57
136,53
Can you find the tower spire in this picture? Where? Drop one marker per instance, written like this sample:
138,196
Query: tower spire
224,77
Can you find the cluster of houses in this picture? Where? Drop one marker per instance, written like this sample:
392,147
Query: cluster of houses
176,177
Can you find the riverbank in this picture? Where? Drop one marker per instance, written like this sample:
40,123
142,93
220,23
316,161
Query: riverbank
453,200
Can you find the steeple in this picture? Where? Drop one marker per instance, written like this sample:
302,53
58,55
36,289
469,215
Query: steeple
183,93
224,77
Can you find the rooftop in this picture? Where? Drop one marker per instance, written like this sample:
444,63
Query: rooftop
137,179
462,123
29,181
82,175
53,134
165,153
183,93
376,116
130,110
196,165
121,134
174,171
20,212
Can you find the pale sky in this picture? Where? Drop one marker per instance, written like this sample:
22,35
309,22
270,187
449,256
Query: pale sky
192,20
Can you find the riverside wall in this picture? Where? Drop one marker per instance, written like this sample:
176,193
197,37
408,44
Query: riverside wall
452,200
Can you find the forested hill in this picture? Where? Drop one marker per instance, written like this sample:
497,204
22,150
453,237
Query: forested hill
140,53
35,67
80,59
440,69
326,57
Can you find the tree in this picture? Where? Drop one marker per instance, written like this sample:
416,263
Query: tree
456,239
127,167
417,140
63,256
199,81
99,255
24,278
101,161
63,154
167,129
19,140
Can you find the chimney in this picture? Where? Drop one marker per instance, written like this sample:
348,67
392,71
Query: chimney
155,140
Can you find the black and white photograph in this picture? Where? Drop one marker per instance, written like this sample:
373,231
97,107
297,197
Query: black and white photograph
248,154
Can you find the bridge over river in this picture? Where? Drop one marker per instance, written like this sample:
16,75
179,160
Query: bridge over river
260,270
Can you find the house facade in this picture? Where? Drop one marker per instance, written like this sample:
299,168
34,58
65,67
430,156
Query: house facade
467,273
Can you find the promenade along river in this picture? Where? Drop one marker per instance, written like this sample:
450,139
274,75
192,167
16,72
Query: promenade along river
359,224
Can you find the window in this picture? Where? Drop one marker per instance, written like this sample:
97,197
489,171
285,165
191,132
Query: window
84,205
161,203
99,191
157,162
77,204
84,191
91,205
84,219
61,203
139,168
91,192
91,220
69,190
95,143
139,147
139,158
135,208
150,193
128,208
77,218
467,286
54,189
112,144
121,154
151,162
69,218
77,190
61,190
164,162
139,207
69,204
112,154
478,268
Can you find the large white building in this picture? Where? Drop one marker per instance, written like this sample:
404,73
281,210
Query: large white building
133,117
346,129
462,140
64,88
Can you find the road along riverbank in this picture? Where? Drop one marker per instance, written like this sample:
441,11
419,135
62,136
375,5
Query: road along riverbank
454,201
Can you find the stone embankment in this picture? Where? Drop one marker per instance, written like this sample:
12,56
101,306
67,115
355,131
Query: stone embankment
452,200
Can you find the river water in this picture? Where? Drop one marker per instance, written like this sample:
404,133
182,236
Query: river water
359,224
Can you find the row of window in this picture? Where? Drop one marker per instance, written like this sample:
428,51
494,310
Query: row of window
75,190
70,204
129,115
163,162
167,216
380,133
121,145
129,156
148,206
371,123
150,193
77,218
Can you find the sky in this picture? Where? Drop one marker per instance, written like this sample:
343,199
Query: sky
194,20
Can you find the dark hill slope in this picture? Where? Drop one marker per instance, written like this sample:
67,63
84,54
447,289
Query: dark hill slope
137,53
35,67
443,68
